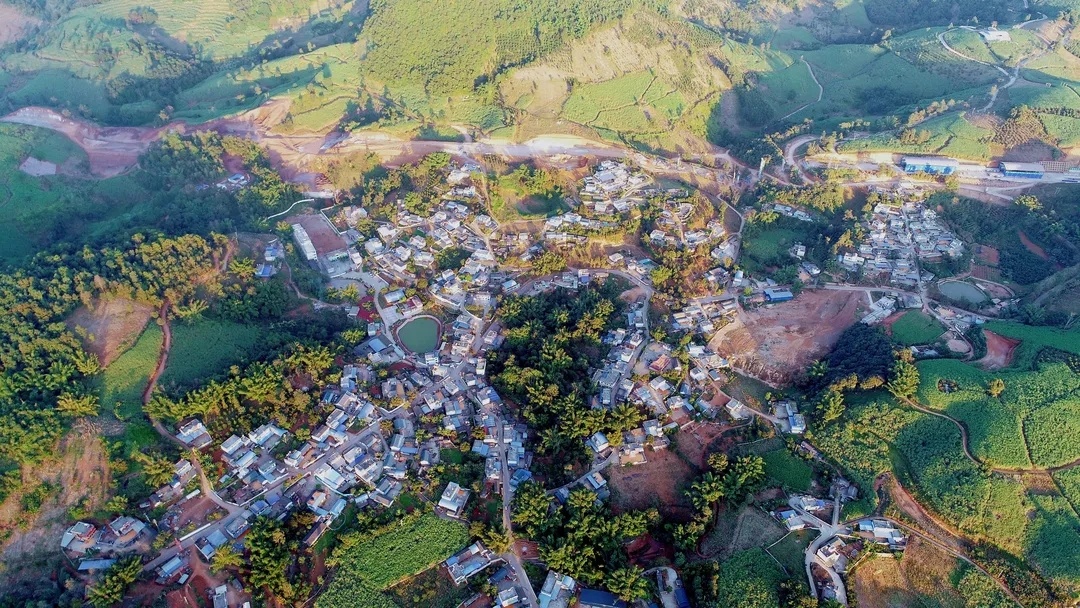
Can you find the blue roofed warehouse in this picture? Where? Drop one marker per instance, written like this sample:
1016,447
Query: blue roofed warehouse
1024,170
938,165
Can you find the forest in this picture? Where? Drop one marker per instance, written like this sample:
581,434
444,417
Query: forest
552,341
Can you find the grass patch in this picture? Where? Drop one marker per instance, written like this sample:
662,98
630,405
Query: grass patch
408,547
123,382
788,470
790,550
206,347
916,327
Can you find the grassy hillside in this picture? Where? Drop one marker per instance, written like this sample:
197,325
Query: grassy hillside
656,74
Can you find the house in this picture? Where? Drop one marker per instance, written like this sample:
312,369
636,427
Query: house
468,562
171,567
453,499
798,423
598,442
194,434
929,164
594,481
737,410
791,519
124,530
508,597
995,35
556,591
594,598
776,295
80,538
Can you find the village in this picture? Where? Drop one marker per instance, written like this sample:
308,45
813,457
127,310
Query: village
415,391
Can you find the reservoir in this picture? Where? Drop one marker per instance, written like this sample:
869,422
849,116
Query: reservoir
959,290
419,335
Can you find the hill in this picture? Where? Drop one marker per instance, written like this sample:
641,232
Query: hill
655,74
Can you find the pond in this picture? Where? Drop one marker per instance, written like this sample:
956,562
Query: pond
420,335
961,291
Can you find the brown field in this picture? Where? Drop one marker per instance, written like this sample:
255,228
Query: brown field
999,351
13,23
657,483
110,327
776,343
921,578
987,255
80,471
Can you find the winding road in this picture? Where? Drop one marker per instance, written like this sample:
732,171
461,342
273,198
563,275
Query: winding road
966,444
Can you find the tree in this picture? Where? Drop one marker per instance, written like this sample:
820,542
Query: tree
1029,202
269,556
744,476
110,591
628,583
548,262
159,471
831,406
996,387
75,406
225,557
117,504
905,380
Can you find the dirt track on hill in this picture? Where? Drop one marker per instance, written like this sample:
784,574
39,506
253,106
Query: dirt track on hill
114,150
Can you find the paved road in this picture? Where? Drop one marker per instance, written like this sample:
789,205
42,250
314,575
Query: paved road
827,532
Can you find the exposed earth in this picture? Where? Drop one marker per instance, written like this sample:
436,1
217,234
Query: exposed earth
999,351
776,343
110,328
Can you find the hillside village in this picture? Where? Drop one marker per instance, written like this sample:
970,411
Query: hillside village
409,420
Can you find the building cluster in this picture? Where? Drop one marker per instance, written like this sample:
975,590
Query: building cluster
897,238
611,180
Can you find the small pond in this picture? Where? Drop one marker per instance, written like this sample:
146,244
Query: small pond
419,335
959,290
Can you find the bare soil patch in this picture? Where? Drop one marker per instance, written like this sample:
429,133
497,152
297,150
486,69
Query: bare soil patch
111,150
776,343
995,290
921,577
80,474
110,327
13,23
958,346
999,351
36,167
987,255
657,483
1031,246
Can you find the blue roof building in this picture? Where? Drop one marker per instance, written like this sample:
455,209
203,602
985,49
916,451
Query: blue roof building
937,165
1022,170
593,598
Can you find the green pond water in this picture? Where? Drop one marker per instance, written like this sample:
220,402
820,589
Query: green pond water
959,290
420,335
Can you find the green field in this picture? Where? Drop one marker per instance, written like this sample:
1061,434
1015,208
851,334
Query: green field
38,211
409,547
788,470
1042,401
204,348
916,327
123,382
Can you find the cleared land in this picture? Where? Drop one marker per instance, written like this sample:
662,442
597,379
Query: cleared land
110,327
657,483
926,576
776,343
